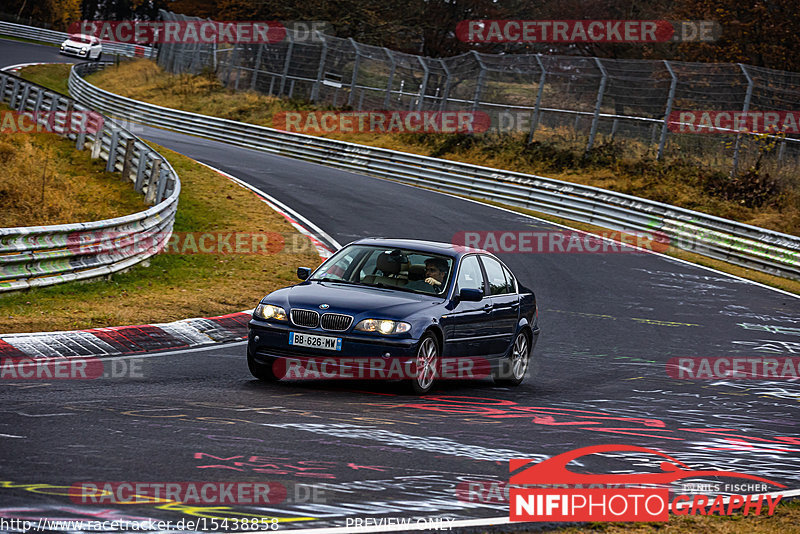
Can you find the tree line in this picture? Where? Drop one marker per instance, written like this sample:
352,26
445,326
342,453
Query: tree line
764,33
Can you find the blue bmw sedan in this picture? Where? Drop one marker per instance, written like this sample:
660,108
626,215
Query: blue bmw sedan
418,311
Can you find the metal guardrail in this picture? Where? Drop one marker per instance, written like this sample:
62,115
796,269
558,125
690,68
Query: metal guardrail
741,244
46,255
50,36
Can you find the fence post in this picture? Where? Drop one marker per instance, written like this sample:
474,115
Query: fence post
391,79
668,111
354,78
286,62
446,93
256,67
321,69
537,105
600,91
479,86
745,109
424,87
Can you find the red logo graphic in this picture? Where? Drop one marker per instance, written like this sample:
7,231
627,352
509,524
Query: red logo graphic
615,504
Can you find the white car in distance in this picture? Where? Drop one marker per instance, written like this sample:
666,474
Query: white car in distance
85,46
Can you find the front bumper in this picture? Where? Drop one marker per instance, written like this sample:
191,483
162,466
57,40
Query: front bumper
267,342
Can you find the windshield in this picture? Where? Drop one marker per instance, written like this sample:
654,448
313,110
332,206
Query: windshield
396,268
80,39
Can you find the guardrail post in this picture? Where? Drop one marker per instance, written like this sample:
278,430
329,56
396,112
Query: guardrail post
112,151
668,111
357,65
13,100
80,137
24,100
155,173
163,177
127,164
745,109
538,104
38,104
141,167
256,67
479,86
321,68
596,117
386,99
424,87
287,62
97,145
67,128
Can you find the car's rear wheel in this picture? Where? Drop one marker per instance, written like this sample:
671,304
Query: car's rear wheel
427,361
512,370
260,370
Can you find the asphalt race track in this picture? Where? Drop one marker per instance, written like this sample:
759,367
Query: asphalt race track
348,450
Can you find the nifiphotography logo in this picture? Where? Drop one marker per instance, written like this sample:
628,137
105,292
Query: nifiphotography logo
637,497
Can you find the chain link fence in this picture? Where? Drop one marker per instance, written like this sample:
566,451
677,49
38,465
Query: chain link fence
589,102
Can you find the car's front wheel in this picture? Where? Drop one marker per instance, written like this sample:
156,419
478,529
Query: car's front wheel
427,362
512,370
259,370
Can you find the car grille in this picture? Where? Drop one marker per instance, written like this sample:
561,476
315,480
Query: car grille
307,318
336,321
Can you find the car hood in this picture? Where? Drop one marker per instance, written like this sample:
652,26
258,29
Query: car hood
351,299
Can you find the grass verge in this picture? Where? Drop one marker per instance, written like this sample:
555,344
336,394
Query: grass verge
46,181
54,76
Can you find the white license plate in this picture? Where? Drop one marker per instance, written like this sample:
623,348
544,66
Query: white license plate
314,341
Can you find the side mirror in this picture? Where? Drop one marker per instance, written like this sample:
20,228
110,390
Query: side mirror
303,273
470,295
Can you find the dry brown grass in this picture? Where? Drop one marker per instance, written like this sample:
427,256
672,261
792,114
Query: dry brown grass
46,181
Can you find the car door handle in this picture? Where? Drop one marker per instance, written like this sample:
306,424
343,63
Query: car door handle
515,305
488,307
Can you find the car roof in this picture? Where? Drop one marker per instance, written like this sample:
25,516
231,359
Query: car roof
432,247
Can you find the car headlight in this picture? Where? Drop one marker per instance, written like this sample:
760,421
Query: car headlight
383,326
268,311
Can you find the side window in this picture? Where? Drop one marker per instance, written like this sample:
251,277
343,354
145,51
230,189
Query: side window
498,284
470,275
